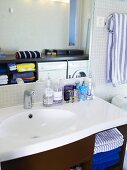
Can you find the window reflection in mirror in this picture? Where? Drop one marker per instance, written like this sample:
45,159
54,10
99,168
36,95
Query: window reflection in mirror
80,13
72,22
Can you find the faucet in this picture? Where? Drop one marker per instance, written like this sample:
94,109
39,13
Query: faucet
28,98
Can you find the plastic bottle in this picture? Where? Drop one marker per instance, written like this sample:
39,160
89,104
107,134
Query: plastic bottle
83,92
69,93
90,92
48,94
58,92
76,91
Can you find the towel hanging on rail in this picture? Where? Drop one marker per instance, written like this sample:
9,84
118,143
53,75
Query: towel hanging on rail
116,69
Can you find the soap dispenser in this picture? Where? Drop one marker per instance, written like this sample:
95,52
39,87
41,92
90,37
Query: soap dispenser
48,93
58,92
90,92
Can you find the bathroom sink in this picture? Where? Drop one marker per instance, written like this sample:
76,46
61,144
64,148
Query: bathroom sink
41,123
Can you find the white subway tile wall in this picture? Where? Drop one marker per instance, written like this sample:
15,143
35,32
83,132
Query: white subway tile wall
104,8
12,95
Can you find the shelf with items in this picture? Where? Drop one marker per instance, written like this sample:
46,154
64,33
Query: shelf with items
44,58
11,59
26,71
9,72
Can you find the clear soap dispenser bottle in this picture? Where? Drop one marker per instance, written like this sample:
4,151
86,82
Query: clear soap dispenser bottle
90,92
58,92
48,93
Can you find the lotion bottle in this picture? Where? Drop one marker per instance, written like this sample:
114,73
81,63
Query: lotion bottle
58,92
48,94
90,92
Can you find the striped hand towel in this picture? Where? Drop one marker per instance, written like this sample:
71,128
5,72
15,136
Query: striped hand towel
117,49
28,54
108,140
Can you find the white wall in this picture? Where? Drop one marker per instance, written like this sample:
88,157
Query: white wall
34,25
98,54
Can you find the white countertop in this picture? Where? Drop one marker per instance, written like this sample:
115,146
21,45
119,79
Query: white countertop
92,117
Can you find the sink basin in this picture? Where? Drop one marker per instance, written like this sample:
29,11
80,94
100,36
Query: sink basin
41,123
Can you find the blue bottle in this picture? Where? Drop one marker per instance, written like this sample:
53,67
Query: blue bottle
83,92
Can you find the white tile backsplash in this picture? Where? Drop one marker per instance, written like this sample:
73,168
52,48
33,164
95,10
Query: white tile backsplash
12,95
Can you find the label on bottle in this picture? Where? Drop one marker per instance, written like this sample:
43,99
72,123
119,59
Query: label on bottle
48,92
48,101
58,96
48,97
67,95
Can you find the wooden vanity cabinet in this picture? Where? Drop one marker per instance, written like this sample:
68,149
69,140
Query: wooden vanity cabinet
56,159
80,152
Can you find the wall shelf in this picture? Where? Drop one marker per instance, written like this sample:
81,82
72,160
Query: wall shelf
12,59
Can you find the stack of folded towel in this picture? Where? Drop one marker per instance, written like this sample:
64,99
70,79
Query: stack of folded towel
3,79
28,54
12,66
25,67
107,149
27,77
25,71
3,75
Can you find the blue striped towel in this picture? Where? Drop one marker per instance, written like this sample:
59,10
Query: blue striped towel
108,140
22,75
28,54
117,49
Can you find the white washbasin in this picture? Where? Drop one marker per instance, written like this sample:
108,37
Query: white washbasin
41,123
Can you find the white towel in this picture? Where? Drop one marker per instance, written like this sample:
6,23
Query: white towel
3,82
12,68
117,49
108,140
3,77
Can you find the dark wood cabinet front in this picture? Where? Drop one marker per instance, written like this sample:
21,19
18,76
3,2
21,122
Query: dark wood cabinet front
80,152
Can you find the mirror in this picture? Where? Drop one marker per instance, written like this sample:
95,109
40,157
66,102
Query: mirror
42,24
33,25
80,15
